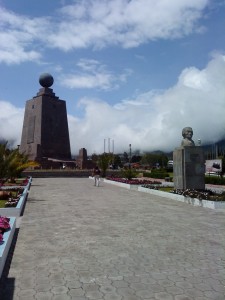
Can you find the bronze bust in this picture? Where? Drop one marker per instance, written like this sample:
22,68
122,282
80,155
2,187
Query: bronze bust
187,134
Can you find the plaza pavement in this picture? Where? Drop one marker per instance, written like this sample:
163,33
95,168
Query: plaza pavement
77,241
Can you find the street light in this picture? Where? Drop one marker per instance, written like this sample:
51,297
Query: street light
130,156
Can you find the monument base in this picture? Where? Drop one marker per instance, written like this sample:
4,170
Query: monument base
189,168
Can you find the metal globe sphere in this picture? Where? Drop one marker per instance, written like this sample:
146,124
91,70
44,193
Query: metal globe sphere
46,80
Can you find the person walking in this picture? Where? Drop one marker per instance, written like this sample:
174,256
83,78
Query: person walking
96,174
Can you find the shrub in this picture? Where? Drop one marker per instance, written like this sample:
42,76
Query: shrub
146,174
214,180
128,173
12,163
159,173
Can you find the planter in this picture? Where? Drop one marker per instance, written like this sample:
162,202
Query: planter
16,211
29,181
5,246
176,197
121,184
188,200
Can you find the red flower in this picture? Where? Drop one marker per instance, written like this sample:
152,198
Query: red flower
4,224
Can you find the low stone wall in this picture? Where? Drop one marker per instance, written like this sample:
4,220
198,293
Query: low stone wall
121,184
5,246
63,173
18,210
15,211
187,200
176,197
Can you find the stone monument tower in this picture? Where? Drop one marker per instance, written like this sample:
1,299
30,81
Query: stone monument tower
82,160
45,133
188,164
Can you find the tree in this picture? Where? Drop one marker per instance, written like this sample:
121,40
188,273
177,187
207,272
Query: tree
135,158
128,173
117,161
12,163
103,162
152,159
125,157
3,160
94,158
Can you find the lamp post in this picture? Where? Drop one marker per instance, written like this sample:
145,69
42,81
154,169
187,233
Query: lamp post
130,156
112,146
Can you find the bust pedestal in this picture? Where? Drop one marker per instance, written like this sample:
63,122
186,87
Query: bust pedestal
189,168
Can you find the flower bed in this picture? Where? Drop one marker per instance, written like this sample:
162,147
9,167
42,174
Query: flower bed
202,194
4,226
206,194
15,206
17,182
21,182
11,196
129,183
7,228
122,184
152,187
197,198
133,181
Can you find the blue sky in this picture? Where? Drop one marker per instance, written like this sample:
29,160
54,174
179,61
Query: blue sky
135,71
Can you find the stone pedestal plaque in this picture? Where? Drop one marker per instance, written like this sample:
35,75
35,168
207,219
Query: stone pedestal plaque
189,168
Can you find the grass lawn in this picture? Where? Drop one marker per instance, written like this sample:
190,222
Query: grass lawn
166,189
2,203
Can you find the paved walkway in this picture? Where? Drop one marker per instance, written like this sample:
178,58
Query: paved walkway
81,242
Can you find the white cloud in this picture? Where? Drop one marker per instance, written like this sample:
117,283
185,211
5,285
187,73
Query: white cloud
97,24
93,74
150,121
195,79
11,122
127,23
154,120
17,34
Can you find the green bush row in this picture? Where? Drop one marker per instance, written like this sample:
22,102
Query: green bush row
157,173
128,173
146,174
161,174
214,180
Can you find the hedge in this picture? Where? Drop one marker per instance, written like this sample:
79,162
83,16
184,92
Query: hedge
157,173
215,180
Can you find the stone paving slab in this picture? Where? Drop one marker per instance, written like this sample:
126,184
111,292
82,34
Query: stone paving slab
77,241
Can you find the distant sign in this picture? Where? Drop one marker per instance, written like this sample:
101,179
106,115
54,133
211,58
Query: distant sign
213,165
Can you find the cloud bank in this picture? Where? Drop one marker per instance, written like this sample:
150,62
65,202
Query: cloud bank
148,121
126,23
92,74
11,122
151,121
97,24
154,120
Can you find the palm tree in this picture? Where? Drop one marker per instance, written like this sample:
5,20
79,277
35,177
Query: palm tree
12,163
3,160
